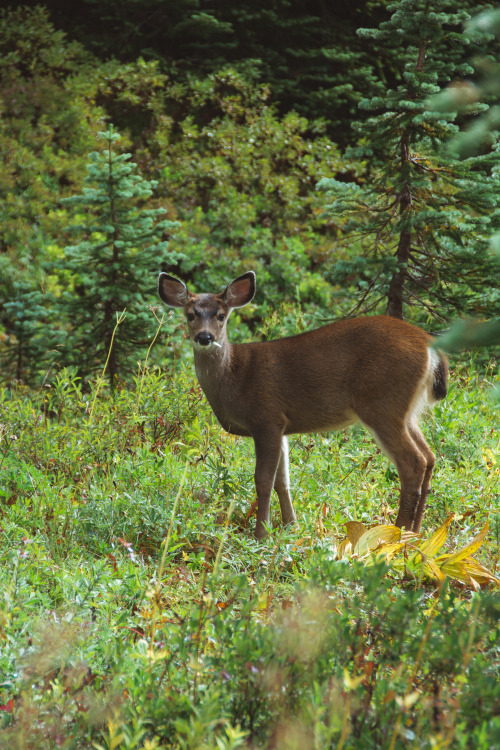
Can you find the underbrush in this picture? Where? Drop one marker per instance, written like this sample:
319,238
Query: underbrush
137,610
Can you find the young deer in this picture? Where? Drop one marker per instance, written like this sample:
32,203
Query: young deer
377,370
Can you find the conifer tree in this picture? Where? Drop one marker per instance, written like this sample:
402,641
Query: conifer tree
421,224
113,267
27,318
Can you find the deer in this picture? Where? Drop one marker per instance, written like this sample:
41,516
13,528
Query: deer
378,370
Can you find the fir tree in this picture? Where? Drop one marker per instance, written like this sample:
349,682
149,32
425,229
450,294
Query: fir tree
113,267
423,220
26,315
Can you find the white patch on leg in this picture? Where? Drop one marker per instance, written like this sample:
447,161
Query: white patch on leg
285,462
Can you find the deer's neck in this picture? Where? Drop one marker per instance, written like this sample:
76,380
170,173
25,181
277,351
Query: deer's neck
215,375
212,366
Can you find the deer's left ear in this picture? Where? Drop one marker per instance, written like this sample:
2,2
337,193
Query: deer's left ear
173,292
240,291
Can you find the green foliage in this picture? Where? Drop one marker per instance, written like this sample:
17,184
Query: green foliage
45,129
43,123
136,609
240,178
25,345
480,134
306,51
242,181
112,268
420,219
466,334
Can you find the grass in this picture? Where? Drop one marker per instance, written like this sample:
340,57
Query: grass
137,610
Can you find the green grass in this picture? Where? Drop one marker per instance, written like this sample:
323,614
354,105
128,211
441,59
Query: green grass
137,610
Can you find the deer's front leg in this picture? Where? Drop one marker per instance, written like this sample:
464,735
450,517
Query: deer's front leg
267,457
282,485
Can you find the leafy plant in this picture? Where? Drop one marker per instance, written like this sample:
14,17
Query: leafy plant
408,553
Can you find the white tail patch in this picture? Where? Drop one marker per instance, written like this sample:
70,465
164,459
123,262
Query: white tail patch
424,397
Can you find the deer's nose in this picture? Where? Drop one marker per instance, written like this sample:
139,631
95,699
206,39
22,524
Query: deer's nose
204,338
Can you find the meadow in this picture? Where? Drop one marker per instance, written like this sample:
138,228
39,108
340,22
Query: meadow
138,611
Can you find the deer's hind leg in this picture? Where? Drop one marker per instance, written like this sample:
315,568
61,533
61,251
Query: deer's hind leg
430,459
404,445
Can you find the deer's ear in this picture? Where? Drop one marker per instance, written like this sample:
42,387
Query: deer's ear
240,291
173,292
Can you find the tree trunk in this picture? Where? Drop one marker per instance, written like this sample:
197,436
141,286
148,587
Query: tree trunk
395,295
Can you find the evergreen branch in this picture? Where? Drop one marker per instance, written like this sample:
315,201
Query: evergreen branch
359,304
432,310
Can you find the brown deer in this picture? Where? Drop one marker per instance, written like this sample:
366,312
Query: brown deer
378,370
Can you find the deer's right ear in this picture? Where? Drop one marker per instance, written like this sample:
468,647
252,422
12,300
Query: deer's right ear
173,292
240,291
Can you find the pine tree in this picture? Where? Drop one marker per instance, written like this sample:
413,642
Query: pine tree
423,219
27,344
113,266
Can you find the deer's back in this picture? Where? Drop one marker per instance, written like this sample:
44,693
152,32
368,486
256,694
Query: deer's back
326,378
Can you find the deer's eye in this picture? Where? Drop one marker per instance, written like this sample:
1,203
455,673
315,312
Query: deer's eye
190,316
221,316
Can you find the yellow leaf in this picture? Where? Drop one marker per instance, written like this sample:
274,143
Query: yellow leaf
354,530
155,656
374,537
407,701
299,543
351,683
388,550
320,528
456,570
409,536
480,574
344,549
470,548
489,458
386,541
475,585
432,570
430,546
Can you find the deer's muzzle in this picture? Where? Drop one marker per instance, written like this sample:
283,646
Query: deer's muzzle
204,338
